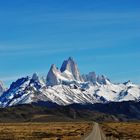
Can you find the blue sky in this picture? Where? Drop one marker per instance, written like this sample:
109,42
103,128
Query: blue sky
101,35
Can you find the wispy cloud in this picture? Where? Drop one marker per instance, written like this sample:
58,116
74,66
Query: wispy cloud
44,49
119,74
80,16
11,77
119,55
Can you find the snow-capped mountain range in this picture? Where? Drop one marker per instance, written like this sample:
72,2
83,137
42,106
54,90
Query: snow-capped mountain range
66,86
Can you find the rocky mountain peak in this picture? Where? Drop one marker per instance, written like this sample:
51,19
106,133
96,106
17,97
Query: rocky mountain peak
128,83
53,67
71,66
91,77
2,88
19,82
35,77
103,80
66,87
53,76
70,59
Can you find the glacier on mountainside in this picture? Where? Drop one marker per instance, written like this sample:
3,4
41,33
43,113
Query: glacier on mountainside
67,86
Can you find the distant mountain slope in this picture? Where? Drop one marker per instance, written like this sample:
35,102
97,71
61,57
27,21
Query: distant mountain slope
66,86
47,111
126,110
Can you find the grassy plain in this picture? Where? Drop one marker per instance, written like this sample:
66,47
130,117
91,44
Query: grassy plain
122,130
44,131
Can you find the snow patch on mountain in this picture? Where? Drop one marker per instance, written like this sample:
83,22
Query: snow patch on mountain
67,86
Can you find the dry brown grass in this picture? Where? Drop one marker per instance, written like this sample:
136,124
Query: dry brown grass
44,131
122,130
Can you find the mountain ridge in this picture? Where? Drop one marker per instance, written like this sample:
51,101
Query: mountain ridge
66,86
110,112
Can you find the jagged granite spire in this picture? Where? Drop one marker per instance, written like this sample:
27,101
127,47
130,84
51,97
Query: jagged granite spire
66,89
68,73
53,76
2,88
72,67
91,77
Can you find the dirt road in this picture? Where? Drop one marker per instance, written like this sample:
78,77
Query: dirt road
96,133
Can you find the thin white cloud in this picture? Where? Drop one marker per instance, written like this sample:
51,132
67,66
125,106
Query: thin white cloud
10,78
118,55
80,16
6,50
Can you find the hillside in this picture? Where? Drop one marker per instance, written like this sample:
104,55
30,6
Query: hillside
47,112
